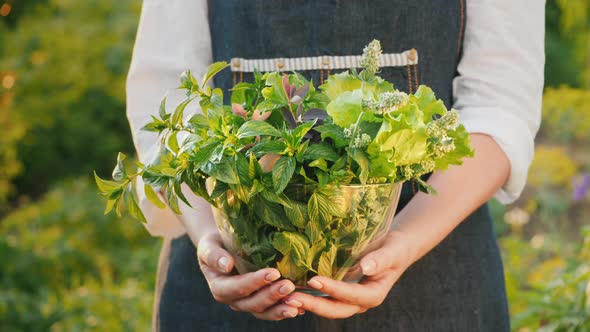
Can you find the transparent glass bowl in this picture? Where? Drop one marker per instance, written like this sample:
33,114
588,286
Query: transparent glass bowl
358,218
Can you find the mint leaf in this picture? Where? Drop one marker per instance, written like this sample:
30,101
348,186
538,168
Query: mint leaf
293,245
282,173
326,263
267,146
296,212
257,128
333,132
320,151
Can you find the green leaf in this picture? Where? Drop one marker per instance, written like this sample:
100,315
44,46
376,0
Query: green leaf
178,180
162,110
325,205
409,146
302,129
326,263
204,153
268,146
339,83
219,189
296,212
272,214
173,201
179,112
132,207
293,245
212,70
257,128
290,270
106,186
153,197
243,170
333,132
462,149
320,151
119,172
156,125
320,163
274,89
173,142
224,171
187,80
346,108
361,158
110,205
213,102
282,173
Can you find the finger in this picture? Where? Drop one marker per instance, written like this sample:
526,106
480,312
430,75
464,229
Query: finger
278,312
265,297
370,294
231,288
210,252
390,255
325,307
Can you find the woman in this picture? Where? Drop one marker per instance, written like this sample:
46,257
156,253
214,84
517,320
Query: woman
440,269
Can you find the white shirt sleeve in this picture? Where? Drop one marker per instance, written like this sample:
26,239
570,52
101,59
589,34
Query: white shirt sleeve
173,36
499,88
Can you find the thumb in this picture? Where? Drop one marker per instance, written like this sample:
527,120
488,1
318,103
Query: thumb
390,255
211,253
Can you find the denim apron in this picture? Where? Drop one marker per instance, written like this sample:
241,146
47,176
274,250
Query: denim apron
459,285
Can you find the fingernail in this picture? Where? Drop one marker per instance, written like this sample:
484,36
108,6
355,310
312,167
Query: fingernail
315,284
286,289
289,314
271,276
223,263
294,303
301,312
368,266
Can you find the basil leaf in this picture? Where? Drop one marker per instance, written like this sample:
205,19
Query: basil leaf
326,263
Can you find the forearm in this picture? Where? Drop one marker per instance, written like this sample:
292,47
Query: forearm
428,219
198,219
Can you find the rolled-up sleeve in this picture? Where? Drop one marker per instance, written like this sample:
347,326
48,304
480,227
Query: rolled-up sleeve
499,87
173,36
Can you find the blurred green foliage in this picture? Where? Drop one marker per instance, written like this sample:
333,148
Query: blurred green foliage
65,111
66,267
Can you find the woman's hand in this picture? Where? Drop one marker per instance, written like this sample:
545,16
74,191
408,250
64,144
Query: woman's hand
382,269
254,292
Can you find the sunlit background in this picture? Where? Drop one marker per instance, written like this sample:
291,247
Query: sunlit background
66,267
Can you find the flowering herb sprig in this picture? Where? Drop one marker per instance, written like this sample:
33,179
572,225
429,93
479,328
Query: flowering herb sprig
281,132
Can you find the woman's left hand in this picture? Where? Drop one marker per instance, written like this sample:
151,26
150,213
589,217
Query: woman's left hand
382,269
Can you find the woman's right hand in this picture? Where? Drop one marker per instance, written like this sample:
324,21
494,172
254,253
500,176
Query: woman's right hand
254,292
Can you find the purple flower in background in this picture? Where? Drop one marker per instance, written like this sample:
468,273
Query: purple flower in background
581,185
